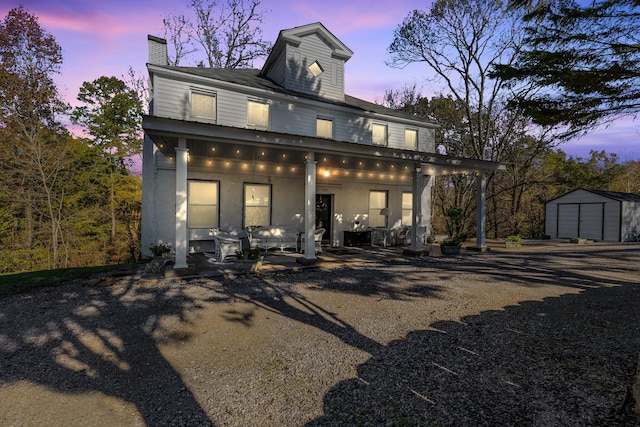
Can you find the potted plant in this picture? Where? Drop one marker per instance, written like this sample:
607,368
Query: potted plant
249,259
160,249
513,241
451,246
161,256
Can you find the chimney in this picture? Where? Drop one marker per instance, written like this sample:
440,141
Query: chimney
157,51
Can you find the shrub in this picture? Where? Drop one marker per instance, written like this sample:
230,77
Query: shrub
513,239
454,241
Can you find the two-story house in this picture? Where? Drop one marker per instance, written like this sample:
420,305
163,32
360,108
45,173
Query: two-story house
234,148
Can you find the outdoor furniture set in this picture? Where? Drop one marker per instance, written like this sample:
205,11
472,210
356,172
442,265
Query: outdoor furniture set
281,237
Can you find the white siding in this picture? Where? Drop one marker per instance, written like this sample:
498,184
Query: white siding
293,119
278,72
630,220
329,84
171,100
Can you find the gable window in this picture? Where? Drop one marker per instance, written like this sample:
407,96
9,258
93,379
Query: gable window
202,204
315,69
377,202
257,205
258,114
379,134
203,105
410,139
324,128
407,208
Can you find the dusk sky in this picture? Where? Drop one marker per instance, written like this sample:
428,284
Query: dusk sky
105,38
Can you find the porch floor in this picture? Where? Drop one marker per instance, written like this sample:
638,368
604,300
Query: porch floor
332,257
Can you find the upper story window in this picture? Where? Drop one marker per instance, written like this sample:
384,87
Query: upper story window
316,69
379,134
411,139
324,128
258,114
203,105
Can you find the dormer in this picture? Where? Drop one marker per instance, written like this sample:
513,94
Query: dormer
308,59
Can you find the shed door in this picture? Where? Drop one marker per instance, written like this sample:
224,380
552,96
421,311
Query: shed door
568,215
581,220
591,221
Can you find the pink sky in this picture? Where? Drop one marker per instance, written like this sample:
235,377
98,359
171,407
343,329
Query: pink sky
105,38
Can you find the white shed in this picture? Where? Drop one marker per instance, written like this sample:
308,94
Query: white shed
607,216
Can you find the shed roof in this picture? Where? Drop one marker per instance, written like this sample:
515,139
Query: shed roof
614,195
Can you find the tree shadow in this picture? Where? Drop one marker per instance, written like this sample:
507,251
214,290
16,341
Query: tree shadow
275,293
530,269
101,338
565,360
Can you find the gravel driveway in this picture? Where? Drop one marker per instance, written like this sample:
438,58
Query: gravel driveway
511,339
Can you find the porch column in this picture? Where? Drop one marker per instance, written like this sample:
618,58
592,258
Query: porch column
310,209
181,205
481,212
416,220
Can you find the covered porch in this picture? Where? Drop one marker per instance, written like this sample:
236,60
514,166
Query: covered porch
314,164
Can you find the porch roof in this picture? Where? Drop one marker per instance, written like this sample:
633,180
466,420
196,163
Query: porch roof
224,142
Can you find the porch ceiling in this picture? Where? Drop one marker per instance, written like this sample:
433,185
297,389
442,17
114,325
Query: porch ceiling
209,141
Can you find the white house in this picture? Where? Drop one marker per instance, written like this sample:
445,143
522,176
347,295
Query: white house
593,214
283,145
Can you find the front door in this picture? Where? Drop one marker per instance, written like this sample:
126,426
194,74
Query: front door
324,209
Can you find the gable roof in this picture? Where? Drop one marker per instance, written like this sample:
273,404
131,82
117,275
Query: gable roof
254,78
294,36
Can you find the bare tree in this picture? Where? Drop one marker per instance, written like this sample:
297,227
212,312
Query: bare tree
460,41
227,32
177,30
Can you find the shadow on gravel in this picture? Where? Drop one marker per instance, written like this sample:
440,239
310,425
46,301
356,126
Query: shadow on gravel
92,340
273,293
564,361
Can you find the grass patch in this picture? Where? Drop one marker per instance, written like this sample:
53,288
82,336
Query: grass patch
14,283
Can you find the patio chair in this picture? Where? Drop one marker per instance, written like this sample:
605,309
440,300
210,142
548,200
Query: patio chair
225,245
317,238
402,235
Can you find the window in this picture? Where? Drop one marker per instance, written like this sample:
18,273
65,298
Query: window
315,69
258,114
379,134
410,139
203,105
202,204
257,204
407,208
377,202
324,128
